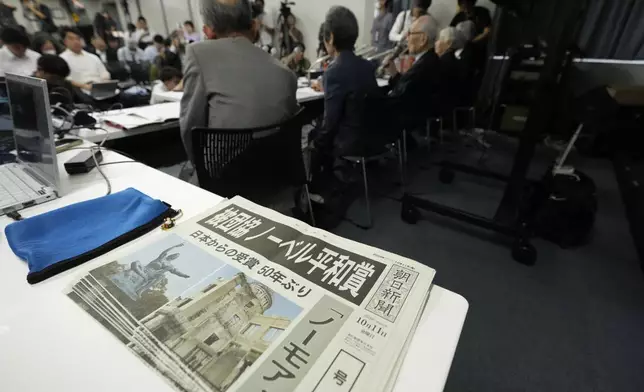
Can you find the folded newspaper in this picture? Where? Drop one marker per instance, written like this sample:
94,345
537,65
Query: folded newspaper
242,298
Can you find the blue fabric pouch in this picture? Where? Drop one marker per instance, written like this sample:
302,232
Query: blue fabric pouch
67,237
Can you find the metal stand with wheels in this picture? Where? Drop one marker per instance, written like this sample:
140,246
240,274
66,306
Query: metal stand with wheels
513,216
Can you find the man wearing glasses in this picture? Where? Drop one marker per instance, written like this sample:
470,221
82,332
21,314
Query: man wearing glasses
419,87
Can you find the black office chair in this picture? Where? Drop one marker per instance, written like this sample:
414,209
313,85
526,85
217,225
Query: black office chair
257,164
381,132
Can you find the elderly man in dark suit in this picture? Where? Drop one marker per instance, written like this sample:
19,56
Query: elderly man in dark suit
419,88
228,81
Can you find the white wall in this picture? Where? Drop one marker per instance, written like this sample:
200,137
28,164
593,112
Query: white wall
444,10
310,15
151,10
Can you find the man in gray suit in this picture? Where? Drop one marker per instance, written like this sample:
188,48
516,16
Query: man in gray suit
228,81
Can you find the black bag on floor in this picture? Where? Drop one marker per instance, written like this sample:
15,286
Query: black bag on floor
567,213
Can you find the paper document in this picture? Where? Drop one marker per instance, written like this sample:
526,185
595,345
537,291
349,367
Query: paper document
242,298
141,116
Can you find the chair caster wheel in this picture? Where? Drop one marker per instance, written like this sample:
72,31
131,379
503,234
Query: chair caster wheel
446,176
410,214
525,253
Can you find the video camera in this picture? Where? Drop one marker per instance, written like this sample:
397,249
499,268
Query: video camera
284,7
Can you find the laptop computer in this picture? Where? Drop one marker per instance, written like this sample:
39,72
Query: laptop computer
104,90
6,126
34,177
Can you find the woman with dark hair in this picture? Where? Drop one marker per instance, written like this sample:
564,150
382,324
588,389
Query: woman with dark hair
44,43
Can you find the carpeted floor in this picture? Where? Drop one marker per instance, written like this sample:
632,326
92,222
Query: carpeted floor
572,322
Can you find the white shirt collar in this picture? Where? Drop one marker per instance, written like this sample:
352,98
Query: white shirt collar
419,55
72,53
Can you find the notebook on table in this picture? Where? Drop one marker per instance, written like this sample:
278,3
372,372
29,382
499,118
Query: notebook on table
142,116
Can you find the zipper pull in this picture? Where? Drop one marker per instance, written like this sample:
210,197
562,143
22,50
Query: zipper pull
170,222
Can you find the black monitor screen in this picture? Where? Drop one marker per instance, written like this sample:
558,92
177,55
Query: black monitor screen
5,112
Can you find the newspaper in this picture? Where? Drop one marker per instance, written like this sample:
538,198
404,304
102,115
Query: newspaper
242,298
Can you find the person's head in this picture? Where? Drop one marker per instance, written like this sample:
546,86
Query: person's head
72,38
142,23
131,27
466,30
340,30
170,77
98,43
466,5
159,42
44,43
260,5
421,36
420,8
291,20
48,47
189,27
383,5
298,52
225,18
15,40
113,42
446,40
52,67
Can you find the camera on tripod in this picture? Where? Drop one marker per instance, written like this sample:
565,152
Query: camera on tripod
284,7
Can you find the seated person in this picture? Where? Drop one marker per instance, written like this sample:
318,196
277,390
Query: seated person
480,16
131,53
100,48
152,51
225,75
55,71
347,76
170,79
43,43
111,53
15,55
167,58
296,61
85,67
418,88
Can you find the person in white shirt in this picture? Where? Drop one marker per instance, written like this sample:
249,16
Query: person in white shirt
15,55
152,51
85,67
405,18
130,53
170,79
143,34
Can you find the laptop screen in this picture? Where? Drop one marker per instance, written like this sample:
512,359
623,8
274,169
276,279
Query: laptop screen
5,113
33,131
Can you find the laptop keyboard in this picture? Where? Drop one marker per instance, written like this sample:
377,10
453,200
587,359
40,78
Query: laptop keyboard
14,189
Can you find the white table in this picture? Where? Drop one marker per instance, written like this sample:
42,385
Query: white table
114,133
303,94
47,344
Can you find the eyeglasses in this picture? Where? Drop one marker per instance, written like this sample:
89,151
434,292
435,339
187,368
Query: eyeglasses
409,33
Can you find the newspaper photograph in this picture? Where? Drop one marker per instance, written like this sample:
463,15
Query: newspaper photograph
242,298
